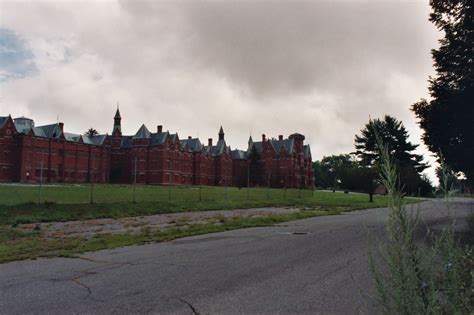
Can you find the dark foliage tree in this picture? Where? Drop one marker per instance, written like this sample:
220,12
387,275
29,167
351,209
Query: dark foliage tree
344,172
329,171
91,132
452,178
319,174
415,184
447,119
360,178
394,136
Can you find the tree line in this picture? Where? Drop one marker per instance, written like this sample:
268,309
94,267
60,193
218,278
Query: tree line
358,170
446,119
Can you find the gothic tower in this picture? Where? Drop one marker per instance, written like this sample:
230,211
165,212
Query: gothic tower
221,134
117,123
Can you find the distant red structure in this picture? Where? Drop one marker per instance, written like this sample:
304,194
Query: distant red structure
30,154
275,163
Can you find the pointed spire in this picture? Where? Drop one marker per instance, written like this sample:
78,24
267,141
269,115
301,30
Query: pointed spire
221,134
117,113
117,121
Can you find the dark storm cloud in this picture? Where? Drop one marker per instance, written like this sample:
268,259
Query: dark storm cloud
274,48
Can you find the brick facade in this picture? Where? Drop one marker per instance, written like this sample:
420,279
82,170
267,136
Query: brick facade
29,154
276,163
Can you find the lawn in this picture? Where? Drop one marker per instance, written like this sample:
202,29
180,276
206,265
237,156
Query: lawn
18,205
82,194
72,202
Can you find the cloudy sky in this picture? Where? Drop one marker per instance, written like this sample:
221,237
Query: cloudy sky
320,68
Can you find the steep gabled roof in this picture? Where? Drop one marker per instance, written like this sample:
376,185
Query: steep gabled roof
173,137
279,144
158,138
96,140
194,144
126,142
206,150
219,148
142,133
307,151
3,120
72,137
38,132
258,146
239,155
48,131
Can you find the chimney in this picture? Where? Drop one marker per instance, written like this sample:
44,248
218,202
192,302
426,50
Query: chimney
189,137
209,142
160,128
263,138
280,137
61,127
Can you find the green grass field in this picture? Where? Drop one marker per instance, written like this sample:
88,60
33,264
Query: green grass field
19,205
81,194
67,202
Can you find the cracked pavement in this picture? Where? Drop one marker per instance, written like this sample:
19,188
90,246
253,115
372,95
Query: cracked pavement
258,270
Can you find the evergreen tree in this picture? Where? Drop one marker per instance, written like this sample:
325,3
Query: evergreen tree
394,136
447,119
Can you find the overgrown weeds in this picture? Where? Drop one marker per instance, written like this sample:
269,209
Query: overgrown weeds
433,276
16,245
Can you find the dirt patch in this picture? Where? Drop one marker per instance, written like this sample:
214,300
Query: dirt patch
134,225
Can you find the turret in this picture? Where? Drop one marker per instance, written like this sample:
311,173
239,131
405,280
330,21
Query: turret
221,134
117,123
250,142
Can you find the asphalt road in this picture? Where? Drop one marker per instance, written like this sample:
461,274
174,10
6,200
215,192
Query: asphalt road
260,270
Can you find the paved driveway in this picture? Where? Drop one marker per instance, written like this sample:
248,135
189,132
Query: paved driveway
260,270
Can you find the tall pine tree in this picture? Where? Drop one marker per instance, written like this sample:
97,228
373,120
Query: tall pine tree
394,136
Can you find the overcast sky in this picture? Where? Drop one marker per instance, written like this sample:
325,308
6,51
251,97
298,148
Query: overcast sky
320,68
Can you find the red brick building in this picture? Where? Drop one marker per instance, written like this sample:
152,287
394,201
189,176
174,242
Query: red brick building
47,153
30,154
275,163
